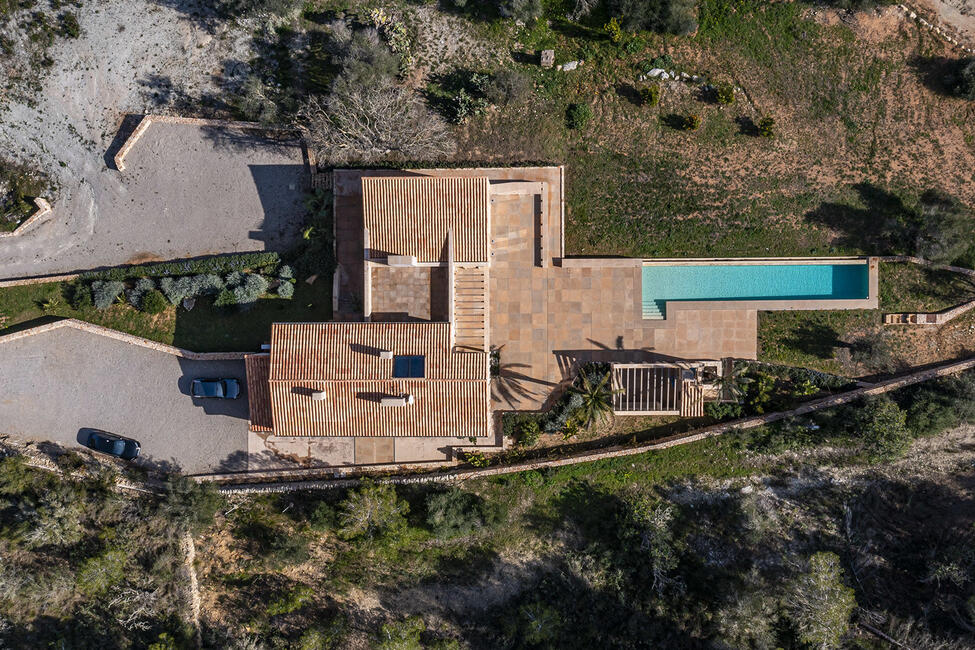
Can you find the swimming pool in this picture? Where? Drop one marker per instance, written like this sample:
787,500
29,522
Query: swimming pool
753,281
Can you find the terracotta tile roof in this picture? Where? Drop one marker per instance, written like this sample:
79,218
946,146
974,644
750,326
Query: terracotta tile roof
342,360
258,393
352,408
338,351
411,215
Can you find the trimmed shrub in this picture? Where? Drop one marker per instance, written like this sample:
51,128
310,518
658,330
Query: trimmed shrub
286,272
207,284
176,289
224,264
153,302
234,279
725,94
225,298
579,115
105,292
650,95
142,285
286,290
253,287
766,126
528,433
79,295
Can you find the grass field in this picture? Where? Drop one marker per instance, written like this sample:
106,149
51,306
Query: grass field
204,329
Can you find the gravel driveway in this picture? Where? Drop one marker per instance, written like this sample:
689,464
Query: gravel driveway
57,383
187,191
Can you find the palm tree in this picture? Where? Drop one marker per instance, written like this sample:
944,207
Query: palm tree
597,399
733,382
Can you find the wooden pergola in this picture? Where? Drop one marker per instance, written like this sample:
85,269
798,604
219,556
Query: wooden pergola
657,389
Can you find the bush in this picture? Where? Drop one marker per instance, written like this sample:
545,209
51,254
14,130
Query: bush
874,352
881,427
154,302
206,284
253,287
290,601
234,279
579,115
725,94
722,410
944,231
142,285
528,433
613,30
286,272
965,85
507,86
452,513
523,10
286,290
69,25
692,122
766,126
79,295
101,572
223,264
372,510
105,292
650,95
225,298
665,16
189,505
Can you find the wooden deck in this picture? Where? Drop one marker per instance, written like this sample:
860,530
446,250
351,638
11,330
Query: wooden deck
470,308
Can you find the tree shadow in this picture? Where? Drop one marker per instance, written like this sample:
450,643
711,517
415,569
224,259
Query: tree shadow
938,73
884,226
629,93
747,126
674,121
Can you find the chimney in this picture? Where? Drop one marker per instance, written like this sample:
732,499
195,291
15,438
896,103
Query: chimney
318,395
398,400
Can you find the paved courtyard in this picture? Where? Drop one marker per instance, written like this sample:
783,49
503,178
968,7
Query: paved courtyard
56,384
186,191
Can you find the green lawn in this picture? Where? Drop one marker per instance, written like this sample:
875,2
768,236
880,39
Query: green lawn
204,329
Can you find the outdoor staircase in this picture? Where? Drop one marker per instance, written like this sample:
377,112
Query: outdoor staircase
470,308
691,400
653,310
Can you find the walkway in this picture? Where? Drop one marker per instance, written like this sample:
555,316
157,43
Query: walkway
187,191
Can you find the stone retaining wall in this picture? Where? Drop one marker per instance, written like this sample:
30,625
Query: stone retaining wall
941,32
43,209
614,452
149,120
123,338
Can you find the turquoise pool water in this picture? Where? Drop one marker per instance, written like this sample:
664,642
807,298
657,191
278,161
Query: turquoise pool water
751,282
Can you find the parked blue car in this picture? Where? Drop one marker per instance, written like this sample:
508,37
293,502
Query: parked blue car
216,388
113,445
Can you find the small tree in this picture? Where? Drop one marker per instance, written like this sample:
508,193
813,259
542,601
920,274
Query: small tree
725,94
579,115
153,302
881,426
597,398
371,511
650,95
945,228
528,433
507,86
766,126
965,85
451,513
819,604
874,352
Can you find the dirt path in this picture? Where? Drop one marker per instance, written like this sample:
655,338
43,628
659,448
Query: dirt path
189,553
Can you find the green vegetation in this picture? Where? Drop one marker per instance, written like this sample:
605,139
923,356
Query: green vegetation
19,186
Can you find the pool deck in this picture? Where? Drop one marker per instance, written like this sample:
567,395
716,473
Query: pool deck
549,313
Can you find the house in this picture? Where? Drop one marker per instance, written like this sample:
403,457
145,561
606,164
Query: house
454,300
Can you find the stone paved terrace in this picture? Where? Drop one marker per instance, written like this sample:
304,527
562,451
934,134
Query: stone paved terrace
547,318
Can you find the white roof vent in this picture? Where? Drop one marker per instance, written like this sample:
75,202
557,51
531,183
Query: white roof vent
385,354
401,260
399,400
318,395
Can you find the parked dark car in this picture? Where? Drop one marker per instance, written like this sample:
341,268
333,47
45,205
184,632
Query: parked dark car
216,388
113,445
